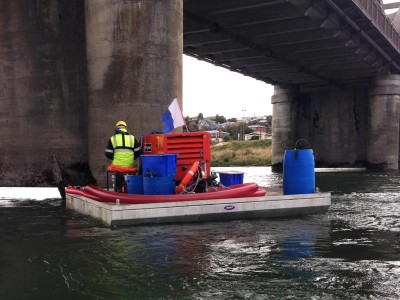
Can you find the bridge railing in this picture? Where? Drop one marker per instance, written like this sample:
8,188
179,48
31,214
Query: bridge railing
374,11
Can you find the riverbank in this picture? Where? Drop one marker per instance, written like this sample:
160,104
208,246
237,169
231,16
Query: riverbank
242,153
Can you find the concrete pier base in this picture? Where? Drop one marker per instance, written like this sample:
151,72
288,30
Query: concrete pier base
384,112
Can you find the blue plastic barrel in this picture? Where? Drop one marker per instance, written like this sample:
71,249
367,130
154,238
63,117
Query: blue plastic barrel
134,184
230,178
159,165
159,185
298,172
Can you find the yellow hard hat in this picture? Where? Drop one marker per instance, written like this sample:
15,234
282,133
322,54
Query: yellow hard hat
121,123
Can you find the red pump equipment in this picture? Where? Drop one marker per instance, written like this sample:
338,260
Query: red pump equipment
190,147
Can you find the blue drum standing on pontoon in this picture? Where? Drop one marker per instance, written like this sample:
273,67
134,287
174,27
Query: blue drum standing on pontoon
298,172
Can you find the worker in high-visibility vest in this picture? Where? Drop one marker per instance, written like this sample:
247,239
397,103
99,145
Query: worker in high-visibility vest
122,148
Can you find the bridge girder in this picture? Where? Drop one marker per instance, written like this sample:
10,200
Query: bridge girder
311,43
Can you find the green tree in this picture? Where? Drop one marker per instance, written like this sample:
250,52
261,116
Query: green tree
191,124
220,119
233,129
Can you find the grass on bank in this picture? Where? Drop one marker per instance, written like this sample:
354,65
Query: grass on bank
242,153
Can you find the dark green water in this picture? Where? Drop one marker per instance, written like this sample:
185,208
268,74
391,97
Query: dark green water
351,252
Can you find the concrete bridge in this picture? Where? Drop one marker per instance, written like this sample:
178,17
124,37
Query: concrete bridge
334,65
70,69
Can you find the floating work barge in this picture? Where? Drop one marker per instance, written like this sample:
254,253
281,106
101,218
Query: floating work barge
268,206
176,185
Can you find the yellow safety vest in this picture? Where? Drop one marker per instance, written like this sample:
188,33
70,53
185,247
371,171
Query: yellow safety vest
123,149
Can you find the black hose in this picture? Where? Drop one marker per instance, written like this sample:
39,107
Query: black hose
295,146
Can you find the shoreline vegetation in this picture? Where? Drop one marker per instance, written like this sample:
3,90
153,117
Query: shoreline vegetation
242,153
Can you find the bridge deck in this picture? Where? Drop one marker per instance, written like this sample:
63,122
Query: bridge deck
310,43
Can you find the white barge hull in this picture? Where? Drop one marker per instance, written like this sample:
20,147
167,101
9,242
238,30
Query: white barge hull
267,206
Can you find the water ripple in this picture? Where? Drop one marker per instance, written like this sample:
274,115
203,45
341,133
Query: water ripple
351,252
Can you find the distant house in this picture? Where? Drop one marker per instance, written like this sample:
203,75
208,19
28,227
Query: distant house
217,135
258,132
207,124
260,129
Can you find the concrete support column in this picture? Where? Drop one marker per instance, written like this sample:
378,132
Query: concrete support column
42,92
134,55
284,111
383,133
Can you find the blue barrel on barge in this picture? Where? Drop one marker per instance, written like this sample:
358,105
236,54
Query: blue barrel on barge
159,172
159,164
298,172
134,184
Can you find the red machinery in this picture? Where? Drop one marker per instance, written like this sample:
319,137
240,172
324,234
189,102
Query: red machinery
190,147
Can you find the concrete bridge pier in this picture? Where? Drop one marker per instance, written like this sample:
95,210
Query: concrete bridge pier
346,127
384,112
134,60
333,121
42,92
284,133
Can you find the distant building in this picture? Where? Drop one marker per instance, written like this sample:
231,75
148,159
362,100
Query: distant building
260,129
258,132
217,135
207,124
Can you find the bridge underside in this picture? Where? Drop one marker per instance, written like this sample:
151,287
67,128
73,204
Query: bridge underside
70,69
333,64
308,43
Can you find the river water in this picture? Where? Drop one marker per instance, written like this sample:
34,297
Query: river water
351,252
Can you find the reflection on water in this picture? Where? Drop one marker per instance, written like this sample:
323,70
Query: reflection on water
351,252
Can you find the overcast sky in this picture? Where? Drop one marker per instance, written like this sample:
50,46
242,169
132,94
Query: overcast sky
214,90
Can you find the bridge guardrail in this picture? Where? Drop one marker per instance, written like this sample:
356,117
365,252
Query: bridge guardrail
376,14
